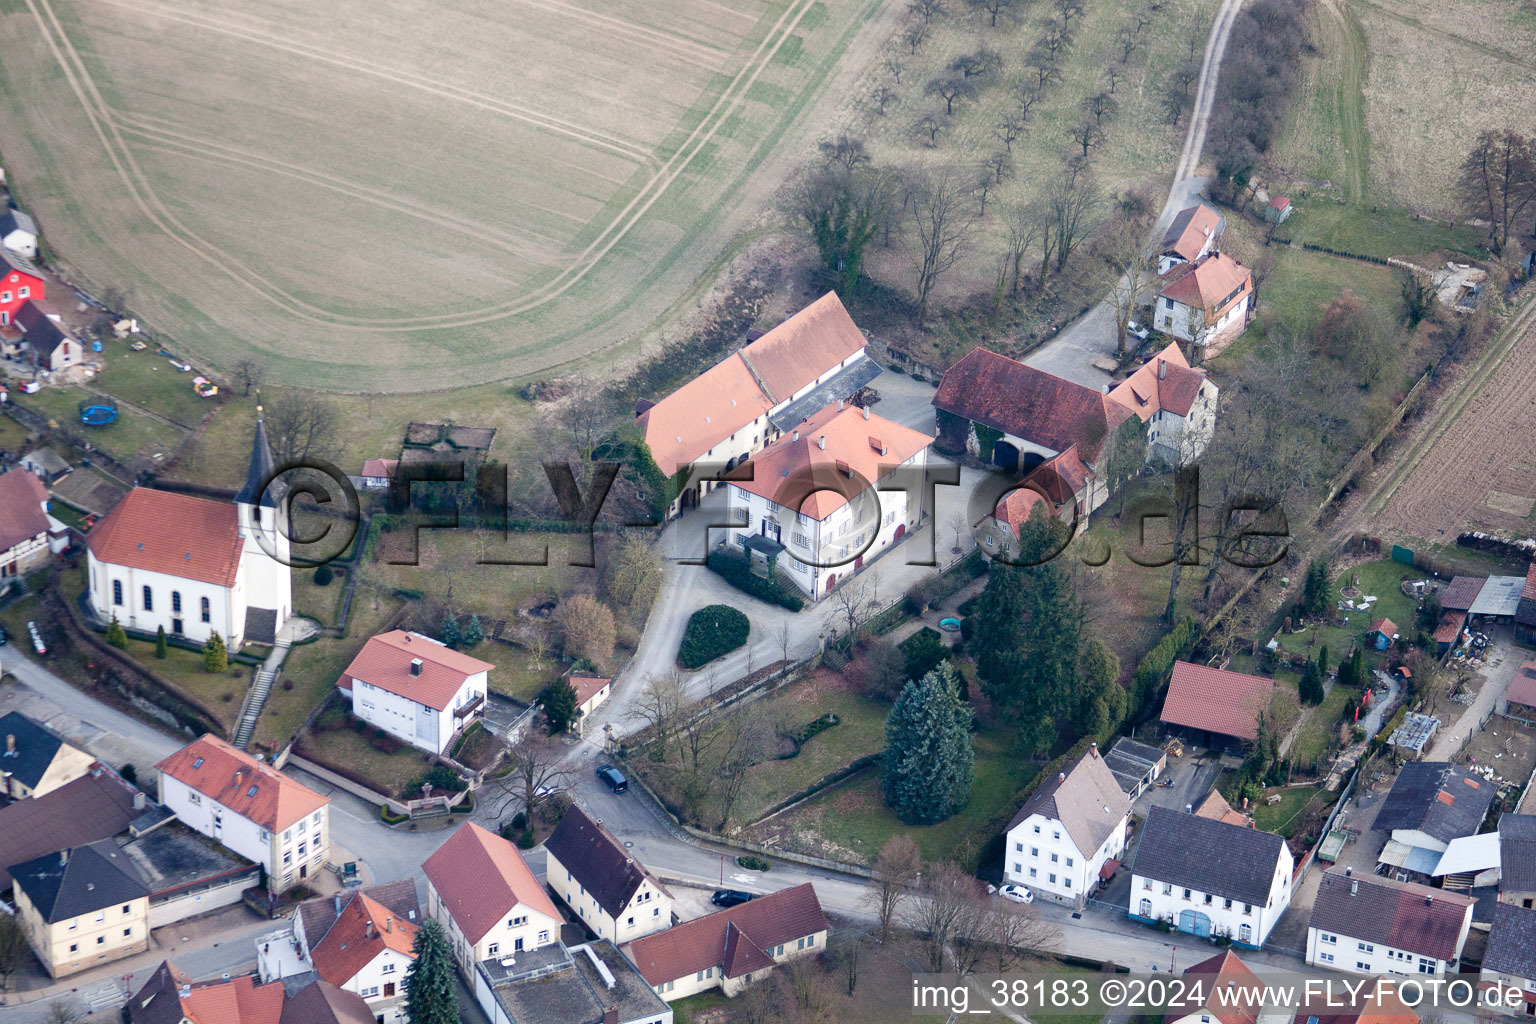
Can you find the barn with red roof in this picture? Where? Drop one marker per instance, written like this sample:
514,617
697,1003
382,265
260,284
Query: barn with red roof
1218,705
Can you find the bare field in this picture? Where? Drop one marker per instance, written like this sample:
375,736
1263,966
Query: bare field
404,196
1481,473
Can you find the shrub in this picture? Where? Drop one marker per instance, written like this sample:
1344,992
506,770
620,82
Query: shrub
752,862
215,655
526,840
738,573
389,817
586,628
712,631
116,636
287,685
924,651
160,643
323,576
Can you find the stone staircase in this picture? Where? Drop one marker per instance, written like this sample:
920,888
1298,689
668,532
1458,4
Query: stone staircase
260,689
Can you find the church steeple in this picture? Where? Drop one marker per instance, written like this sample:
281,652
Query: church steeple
260,473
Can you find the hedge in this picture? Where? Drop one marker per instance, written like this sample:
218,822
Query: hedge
712,631
1155,666
738,573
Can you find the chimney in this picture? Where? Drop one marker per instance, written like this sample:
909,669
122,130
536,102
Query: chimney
839,405
1428,900
10,743
368,929
821,442
1093,749
140,801
611,1015
795,436
1348,872
389,924
407,638
415,666
1162,369
866,412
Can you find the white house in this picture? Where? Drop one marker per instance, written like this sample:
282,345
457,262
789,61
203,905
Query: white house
1364,924
1204,302
750,398
487,898
1510,958
194,566
1175,401
377,473
367,951
415,688
607,889
1224,990
1063,836
1209,878
1193,233
45,341
814,497
591,692
249,807
28,534
18,233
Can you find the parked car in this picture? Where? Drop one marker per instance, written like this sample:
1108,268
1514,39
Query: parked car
4,636
1016,893
731,897
612,778
37,638
1136,330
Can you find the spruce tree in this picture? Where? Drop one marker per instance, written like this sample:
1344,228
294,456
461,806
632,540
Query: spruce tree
215,655
929,761
160,642
451,635
1310,689
1314,591
429,981
116,635
474,633
559,703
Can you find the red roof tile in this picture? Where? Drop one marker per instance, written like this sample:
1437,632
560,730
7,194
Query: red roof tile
385,662
803,348
22,497
365,929
480,876
703,413
691,947
1386,627
241,783
1164,382
1450,626
1459,594
1190,229
239,1001
1522,688
380,467
1213,699
1529,590
1214,283
177,534
742,955
1040,407
1223,973
586,687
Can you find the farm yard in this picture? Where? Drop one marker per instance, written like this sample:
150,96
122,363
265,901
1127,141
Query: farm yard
440,213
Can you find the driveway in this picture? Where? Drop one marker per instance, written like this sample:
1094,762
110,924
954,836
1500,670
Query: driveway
1495,674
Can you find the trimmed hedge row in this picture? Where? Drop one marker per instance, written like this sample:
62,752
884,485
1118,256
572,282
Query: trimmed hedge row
712,631
1155,666
738,573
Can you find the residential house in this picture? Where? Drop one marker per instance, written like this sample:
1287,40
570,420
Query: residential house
290,954
607,889
170,996
1215,807
1525,611
1517,860
1217,705
1069,833
488,900
1194,232
1381,634
818,495
45,342
377,473
81,908
591,691
97,806
1373,1004
367,950
1277,209
1369,925
195,566
752,397
1136,765
320,1002
1062,485
1510,958
36,761
1224,990
1205,302
1430,804
18,233
20,282
730,949
254,810
1210,879
415,688
48,464
28,534
1177,403
587,984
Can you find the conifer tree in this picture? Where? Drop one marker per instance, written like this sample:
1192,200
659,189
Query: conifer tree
429,982
929,761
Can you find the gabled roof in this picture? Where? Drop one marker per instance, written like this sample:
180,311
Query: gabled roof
797,472
1459,594
1512,942
241,783
34,748
587,687
15,220
691,947
480,876
1190,229
1517,852
10,262
90,808
320,1002
1449,627
702,413
1215,807
385,662
1163,383
1198,853
1221,973
50,461
1386,627
365,929
318,914
1522,688
1402,915
597,861
1437,798
1529,590
39,320
238,1001
1212,283
742,955
158,1001
1216,700
380,467
70,883
1007,395
22,499
1085,798
177,534
803,348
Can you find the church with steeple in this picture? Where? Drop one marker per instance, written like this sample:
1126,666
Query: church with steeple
197,566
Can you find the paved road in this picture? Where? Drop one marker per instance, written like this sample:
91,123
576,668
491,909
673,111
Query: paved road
105,731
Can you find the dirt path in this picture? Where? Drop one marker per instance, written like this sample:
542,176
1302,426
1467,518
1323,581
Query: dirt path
1354,140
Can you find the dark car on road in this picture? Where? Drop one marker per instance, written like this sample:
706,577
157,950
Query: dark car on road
612,778
731,897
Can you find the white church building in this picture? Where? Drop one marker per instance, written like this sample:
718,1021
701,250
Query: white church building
195,566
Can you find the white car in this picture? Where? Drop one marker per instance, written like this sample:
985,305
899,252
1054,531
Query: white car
37,638
1136,330
1016,893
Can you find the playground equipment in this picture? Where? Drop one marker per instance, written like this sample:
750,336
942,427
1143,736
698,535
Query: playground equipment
98,411
204,387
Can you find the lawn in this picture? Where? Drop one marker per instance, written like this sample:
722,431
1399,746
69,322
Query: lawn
390,774
1321,729
851,822
516,675
221,693
150,381
323,604
130,435
14,437
1376,231
1380,578
1274,818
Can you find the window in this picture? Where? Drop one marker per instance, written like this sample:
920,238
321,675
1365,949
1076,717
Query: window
74,947
117,592
1054,858
1018,847
369,992
1056,836
101,916
631,922
1366,947
1187,894
543,936
303,848
287,835
1426,966
1245,933
1037,830
1167,888
1167,303
1069,862
5,296
193,797
149,599
1034,851
518,921
303,827
810,940
1325,937
24,292
1066,881
127,909
288,857
1018,868
1033,873
1146,908
101,940
1209,899
1053,879
1326,958
127,932
388,968
207,616
1363,965
1226,904
176,601
316,818
1247,908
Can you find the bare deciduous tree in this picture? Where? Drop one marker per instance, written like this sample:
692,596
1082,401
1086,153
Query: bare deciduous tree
915,35
1101,106
897,870
660,705
927,10
977,64
1042,64
941,227
1008,10
1073,199
894,66
1498,182
950,88
931,124
1009,129
1086,133
844,151
248,375
300,425
946,903
538,773
883,96
1025,223
1113,74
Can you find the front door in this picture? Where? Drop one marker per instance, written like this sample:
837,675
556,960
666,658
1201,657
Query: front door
389,989
303,870
176,626
1195,923
771,529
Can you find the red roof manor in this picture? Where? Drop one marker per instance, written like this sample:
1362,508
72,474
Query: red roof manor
413,666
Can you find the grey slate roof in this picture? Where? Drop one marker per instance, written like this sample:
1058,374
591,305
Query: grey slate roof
91,878
158,1001
15,220
1211,856
597,861
1086,799
1132,761
1402,915
1438,798
1512,942
259,473
83,811
1517,852
320,1002
35,750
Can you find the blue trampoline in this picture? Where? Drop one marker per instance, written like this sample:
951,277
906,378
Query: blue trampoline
98,411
